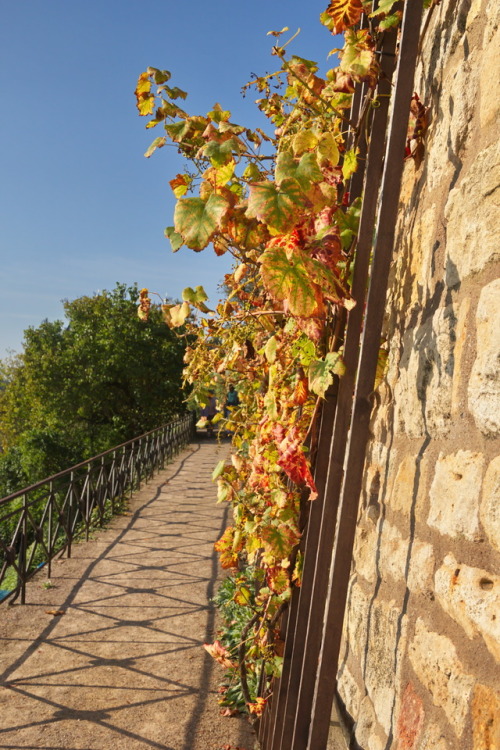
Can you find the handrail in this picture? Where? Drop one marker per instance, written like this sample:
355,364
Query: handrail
42,520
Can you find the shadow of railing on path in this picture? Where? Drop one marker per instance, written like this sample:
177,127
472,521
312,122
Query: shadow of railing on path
34,688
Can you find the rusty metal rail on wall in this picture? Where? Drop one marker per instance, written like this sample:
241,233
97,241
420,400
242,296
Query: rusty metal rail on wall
44,519
297,715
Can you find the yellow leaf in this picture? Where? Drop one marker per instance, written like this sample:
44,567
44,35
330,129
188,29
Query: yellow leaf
179,313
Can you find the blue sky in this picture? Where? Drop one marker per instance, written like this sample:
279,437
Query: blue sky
80,206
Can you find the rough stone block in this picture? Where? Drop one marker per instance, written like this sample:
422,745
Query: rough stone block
433,739
422,394
471,240
484,383
365,550
350,692
421,251
454,494
366,723
402,490
490,61
471,596
386,644
435,661
357,619
489,510
410,719
485,719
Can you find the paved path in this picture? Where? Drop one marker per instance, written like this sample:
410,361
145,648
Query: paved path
124,666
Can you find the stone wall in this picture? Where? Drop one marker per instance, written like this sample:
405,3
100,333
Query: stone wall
420,658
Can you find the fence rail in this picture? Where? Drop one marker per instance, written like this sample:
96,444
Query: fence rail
43,520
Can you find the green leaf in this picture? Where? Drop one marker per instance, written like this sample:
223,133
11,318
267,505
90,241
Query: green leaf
177,130
218,470
175,238
350,163
218,114
305,350
196,297
252,172
196,220
384,6
305,171
288,281
321,372
389,21
271,405
279,208
221,153
270,349
357,59
157,143
160,76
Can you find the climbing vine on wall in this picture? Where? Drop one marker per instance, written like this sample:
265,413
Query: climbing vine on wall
279,203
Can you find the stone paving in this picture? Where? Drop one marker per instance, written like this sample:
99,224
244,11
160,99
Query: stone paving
123,666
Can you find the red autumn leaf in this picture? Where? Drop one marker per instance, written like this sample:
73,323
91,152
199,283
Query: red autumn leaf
294,463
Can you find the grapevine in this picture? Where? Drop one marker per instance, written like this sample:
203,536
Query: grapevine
279,203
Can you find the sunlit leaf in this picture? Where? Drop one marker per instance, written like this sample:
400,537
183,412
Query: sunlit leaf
175,238
196,297
180,184
196,220
342,14
270,349
350,163
179,313
304,140
327,150
157,143
218,470
279,540
221,153
278,207
321,372
305,170
288,281
384,6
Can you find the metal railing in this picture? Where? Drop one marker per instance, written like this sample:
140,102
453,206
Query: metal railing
43,520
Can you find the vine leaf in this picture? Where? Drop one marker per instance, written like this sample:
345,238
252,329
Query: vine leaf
196,297
196,220
358,57
145,99
294,463
288,281
270,349
320,372
350,164
341,14
157,143
178,314
279,540
278,207
175,238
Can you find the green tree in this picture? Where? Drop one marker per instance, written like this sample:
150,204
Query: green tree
83,385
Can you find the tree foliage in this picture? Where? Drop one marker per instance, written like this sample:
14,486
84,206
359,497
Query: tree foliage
83,385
